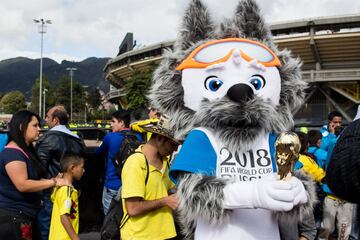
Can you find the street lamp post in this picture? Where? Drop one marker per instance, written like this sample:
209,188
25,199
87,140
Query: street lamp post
42,29
71,72
85,87
44,109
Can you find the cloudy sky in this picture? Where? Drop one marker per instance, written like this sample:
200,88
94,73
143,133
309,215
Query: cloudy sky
86,28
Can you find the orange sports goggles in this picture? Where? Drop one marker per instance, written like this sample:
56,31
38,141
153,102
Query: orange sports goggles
219,51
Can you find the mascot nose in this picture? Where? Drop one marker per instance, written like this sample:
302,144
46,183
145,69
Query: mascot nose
240,92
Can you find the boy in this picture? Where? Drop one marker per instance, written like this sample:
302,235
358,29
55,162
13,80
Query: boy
315,141
65,212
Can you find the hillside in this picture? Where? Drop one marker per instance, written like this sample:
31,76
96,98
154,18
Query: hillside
20,73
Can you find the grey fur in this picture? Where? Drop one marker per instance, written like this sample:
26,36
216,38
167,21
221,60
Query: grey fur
167,93
247,23
200,196
297,213
195,29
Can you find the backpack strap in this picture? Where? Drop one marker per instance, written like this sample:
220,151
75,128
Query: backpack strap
147,167
146,180
125,133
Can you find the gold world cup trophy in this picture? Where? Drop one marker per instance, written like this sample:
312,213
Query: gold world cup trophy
287,148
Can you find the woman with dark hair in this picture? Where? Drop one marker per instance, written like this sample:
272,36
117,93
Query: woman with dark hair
20,178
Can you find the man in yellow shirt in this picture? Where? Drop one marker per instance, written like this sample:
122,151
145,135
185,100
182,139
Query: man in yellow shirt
146,184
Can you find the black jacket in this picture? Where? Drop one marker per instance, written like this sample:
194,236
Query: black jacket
52,146
343,172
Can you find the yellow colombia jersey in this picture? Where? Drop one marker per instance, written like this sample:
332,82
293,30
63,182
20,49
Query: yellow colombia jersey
156,224
312,168
65,201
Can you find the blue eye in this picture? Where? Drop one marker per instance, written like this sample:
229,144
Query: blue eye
257,81
213,83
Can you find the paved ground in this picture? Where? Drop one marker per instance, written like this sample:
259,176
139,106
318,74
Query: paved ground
90,236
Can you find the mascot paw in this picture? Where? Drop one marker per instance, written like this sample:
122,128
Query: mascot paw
273,194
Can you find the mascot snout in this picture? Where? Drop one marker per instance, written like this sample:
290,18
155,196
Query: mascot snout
240,93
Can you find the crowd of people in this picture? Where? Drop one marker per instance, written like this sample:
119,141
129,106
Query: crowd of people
39,195
332,214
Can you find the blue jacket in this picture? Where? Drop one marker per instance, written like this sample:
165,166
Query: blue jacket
331,147
320,154
110,146
3,140
327,139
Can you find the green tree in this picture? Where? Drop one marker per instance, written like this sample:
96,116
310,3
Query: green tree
137,86
62,92
35,94
101,114
94,98
12,102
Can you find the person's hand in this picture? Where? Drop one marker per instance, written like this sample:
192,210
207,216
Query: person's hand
298,190
332,127
273,194
60,181
171,201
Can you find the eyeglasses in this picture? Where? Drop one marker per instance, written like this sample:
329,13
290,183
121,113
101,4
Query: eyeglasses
219,51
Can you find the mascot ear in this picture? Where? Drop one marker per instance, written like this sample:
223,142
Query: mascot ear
197,25
247,23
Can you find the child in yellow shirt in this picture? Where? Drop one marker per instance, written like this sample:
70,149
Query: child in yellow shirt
65,212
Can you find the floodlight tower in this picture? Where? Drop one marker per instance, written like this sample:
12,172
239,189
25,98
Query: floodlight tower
44,93
71,72
42,29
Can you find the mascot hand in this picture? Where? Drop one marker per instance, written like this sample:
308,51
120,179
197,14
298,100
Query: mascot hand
273,194
269,193
298,191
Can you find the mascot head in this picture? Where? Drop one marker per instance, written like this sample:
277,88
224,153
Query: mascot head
229,78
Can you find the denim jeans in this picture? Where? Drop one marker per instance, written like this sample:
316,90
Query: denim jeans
354,235
44,216
16,226
108,195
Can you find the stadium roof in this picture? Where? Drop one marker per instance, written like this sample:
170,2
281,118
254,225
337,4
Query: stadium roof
323,43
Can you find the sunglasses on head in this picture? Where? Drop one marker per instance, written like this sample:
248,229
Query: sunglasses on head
219,51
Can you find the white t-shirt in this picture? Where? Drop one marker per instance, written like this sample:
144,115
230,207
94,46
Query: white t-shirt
245,166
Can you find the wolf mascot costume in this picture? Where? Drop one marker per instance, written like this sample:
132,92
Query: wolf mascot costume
229,91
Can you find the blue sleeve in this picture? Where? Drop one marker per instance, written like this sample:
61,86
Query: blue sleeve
322,155
325,187
298,165
104,145
3,141
329,153
327,141
139,136
196,155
